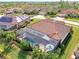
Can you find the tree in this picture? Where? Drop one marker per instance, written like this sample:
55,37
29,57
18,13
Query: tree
52,14
38,54
52,55
7,36
25,45
10,36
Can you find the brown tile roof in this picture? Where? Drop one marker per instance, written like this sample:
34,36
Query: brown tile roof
53,29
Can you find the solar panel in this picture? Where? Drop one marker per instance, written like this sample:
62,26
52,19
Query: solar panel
5,19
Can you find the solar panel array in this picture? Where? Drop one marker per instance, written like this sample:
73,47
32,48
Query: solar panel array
5,19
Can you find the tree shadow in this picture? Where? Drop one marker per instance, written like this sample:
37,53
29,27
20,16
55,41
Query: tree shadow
23,54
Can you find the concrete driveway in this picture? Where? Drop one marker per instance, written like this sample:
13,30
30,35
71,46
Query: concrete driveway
66,21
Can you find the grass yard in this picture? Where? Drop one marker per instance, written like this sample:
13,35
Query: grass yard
2,47
34,21
13,54
74,40
73,19
16,53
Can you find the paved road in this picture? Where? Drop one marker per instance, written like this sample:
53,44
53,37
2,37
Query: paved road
66,21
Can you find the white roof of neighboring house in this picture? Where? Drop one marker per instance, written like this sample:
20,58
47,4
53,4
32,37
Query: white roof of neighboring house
38,17
24,17
18,19
21,18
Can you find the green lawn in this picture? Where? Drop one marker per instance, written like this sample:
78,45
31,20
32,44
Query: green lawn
16,53
2,47
73,19
34,21
74,40
13,54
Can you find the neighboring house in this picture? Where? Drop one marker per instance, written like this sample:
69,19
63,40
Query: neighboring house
28,11
42,13
64,13
9,11
43,10
22,20
13,10
47,34
67,11
9,22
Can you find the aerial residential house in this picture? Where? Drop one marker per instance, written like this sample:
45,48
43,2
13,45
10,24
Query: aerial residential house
13,10
7,22
10,22
46,34
43,10
64,13
9,11
22,19
28,11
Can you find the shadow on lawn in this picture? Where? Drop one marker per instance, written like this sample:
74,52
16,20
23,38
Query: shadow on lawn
66,44
23,54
